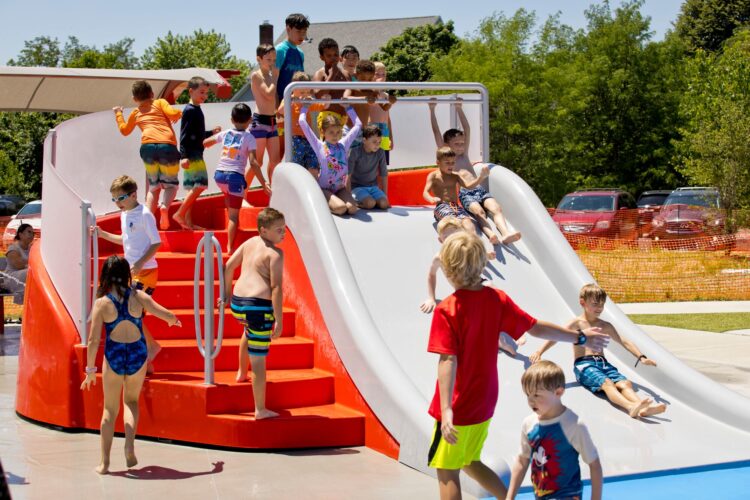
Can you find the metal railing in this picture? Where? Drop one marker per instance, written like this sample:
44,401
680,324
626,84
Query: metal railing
206,346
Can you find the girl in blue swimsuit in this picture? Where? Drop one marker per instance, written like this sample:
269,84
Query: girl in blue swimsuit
119,308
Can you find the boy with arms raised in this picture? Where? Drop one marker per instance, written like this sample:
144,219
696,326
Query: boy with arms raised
551,440
263,83
257,300
591,368
464,332
476,199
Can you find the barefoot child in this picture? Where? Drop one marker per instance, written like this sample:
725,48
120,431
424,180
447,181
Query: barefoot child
476,200
380,114
257,300
192,133
263,83
592,369
120,309
330,72
368,172
551,440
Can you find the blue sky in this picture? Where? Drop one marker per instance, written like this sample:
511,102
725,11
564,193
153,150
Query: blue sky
101,22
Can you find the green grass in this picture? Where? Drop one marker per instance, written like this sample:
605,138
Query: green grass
711,322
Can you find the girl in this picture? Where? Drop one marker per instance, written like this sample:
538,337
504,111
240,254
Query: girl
120,309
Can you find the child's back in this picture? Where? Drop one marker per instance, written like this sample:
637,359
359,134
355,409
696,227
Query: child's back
255,274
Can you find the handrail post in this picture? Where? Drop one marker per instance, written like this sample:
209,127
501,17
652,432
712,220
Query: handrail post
208,307
85,285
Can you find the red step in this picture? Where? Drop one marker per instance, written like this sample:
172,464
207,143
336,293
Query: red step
187,241
232,328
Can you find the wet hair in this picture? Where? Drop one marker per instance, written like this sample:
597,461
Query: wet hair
115,274
124,183
297,21
327,43
300,76
544,375
463,258
349,49
241,113
444,152
23,227
593,291
268,216
451,134
142,90
197,82
449,222
263,49
365,66
371,130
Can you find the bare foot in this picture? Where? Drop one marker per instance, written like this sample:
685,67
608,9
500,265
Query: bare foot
511,238
181,221
164,218
653,410
494,239
260,415
196,227
130,459
491,255
241,377
246,204
102,469
636,409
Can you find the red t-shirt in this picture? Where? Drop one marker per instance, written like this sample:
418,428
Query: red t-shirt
468,324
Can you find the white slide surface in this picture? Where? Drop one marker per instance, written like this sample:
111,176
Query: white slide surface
369,273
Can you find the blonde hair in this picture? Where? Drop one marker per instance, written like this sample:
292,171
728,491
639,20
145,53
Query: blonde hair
124,183
449,222
268,216
378,64
329,121
593,291
444,152
300,76
463,258
544,375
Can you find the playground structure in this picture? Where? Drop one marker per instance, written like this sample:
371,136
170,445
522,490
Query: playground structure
351,367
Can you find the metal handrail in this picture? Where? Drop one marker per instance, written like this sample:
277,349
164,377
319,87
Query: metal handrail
206,347
401,100
95,246
475,87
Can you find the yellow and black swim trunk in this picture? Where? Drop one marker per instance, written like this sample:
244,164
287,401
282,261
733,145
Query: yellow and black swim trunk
257,317
467,449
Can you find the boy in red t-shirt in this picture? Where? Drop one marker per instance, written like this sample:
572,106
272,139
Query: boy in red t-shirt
465,330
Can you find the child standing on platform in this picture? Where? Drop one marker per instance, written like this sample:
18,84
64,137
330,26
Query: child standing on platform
158,146
380,114
264,128
289,57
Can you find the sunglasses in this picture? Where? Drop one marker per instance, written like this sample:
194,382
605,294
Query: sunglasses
122,197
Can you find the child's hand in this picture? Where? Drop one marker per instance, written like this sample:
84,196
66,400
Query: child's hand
427,306
117,109
535,357
267,189
458,104
176,323
220,304
215,130
185,163
392,99
136,269
450,434
595,339
277,329
88,381
432,104
648,361
436,200
484,172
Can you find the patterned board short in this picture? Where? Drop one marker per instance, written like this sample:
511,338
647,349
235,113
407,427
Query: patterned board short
476,195
443,210
162,162
303,153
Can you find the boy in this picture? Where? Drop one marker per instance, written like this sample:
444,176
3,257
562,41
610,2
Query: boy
551,440
368,173
257,300
140,239
158,145
592,369
233,174
330,72
380,115
289,57
445,182
263,83
475,199
365,72
464,332
349,60
192,133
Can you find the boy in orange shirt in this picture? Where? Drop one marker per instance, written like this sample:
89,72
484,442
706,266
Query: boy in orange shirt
158,145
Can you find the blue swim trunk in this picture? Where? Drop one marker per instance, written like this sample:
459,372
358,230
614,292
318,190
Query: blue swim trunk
233,185
162,162
264,126
362,192
476,195
303,153
126,358
592,371
256,315
195,174
443,210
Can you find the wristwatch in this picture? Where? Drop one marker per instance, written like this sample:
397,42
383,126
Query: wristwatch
581,337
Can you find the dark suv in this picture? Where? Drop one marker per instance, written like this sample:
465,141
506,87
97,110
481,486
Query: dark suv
597,212
689,212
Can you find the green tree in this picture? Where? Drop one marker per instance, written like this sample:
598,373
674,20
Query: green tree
706,24
408,55
12,180
118,55
41,51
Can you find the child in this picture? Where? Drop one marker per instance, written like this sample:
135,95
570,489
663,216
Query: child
551,440
349,60
257,300
140,239
475,199
302,153
365,72
592,369
158,145
444,182
233,174
332,157
120,310
192,133
380,115
464,332
289,57
368,173
330,72
263,82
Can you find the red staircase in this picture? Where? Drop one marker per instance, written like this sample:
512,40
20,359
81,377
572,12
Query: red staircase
176,405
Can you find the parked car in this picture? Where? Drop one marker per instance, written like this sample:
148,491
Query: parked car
650,203
10,203
597,212
31,213
689,212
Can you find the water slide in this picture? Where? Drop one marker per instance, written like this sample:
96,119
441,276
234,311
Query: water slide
369,273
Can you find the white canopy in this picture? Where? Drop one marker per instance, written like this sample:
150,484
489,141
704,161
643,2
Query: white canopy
84,90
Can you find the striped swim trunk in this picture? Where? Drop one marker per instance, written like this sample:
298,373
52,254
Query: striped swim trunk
162,162
256,315
195,174
443,210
